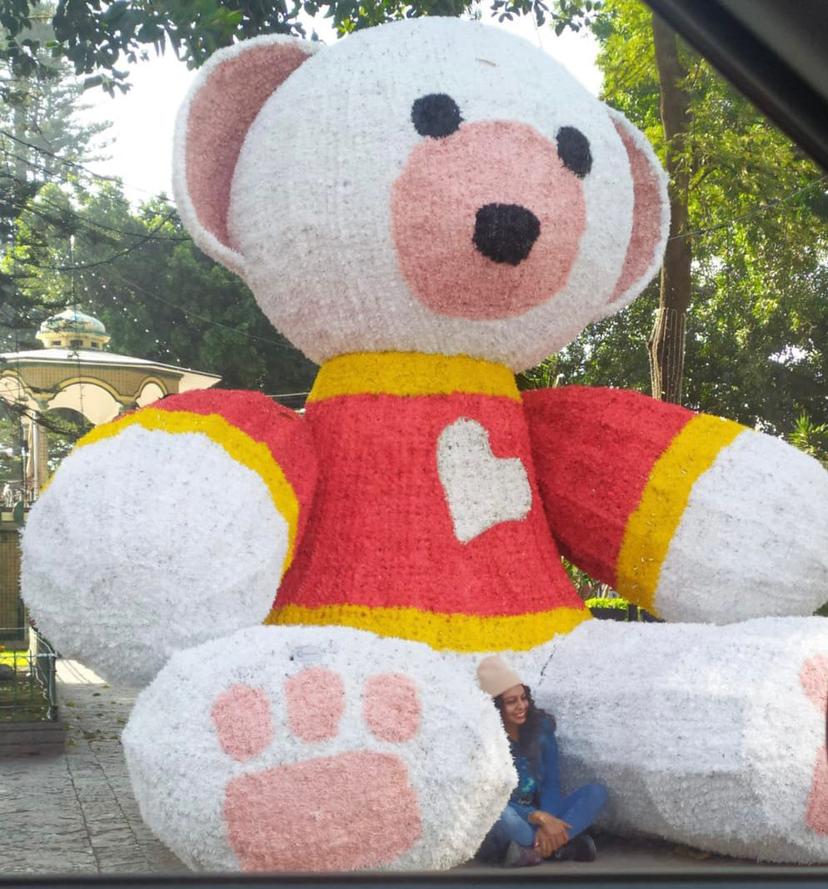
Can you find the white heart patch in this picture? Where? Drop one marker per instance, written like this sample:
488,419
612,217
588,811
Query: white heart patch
481,490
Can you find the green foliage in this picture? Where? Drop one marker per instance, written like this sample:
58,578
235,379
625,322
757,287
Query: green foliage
757,321
16,48
22,697
41,141
158,295
96,38
64,428
757,326
67,237
582,582
575,15
9,445
542,376
810,437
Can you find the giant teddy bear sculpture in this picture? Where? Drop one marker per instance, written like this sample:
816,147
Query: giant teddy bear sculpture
424,208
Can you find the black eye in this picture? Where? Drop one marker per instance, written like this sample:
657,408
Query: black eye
573,150
435,115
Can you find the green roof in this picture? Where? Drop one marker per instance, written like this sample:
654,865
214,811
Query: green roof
72,320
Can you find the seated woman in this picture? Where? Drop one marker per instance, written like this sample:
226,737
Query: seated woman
539,821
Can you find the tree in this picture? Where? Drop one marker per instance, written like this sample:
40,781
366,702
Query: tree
41,142
810,437
68,236
751,231
72,237
41,138
666,344
158,295
96,38
754,234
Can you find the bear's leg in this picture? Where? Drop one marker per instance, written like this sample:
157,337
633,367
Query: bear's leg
317,748
709,736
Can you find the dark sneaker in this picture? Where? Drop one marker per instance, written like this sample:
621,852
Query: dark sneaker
582,848
520,856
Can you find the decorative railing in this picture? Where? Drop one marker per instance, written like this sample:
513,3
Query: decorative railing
27,681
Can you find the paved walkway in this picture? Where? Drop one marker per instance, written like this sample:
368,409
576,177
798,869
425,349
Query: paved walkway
75,813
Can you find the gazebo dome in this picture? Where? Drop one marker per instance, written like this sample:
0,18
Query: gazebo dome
75,372
72,329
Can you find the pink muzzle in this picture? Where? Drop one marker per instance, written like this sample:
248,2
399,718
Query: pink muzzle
487,221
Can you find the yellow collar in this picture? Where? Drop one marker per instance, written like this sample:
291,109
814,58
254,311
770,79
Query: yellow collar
411,373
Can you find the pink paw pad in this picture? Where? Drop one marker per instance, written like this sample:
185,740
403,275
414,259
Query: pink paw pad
242,719
349,810
315,702
814,678
391,707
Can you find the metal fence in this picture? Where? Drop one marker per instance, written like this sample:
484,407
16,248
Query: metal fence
27,682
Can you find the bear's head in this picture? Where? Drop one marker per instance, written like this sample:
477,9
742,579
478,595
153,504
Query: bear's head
432,185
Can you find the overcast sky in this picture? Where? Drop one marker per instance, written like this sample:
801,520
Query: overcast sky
143,119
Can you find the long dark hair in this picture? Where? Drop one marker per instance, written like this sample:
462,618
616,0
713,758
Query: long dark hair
529,736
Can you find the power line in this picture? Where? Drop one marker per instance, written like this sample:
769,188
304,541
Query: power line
190,314
163,198
142,239
31,205
74,164
57,157
187,313
136,286
28,161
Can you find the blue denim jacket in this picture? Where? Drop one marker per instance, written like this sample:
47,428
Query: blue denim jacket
538,784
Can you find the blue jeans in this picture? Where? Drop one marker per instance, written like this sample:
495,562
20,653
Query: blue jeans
579,809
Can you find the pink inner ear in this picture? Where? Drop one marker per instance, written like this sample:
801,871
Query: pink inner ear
220,115
646,228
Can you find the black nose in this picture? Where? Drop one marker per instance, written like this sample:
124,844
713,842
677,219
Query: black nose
505,232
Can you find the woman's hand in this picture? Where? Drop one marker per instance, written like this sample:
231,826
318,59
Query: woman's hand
551,833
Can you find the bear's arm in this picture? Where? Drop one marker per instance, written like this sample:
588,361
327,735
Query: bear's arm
172,525
691,516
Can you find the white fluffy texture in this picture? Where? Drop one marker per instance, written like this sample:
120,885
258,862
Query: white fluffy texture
311,198
205,239
753,538
136,549
481,490
702,734
458,763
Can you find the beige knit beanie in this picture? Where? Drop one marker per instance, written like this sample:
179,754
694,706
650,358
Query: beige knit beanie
495,676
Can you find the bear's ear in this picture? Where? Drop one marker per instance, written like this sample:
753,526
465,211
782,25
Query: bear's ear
212,125
651,216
